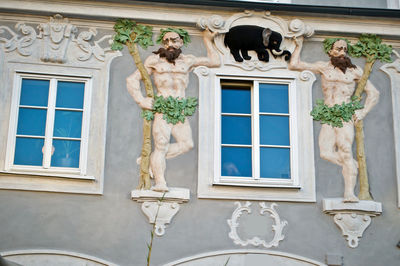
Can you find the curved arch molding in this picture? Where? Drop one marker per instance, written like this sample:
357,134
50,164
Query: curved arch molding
245,257
37,257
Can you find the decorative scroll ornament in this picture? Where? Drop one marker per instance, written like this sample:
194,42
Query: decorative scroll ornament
21,44
294,28
256,241
352,218
57,41
96,50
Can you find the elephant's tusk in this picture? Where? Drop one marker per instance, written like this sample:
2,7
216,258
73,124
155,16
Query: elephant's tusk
274,52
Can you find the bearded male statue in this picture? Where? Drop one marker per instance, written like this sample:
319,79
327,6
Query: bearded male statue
170,69
338,77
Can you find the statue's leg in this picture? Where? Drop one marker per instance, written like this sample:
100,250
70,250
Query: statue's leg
183,136
327,145
161,138
345,138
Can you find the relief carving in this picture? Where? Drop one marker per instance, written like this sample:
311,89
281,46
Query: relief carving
256,241
262,59
21,44
56,42
56,36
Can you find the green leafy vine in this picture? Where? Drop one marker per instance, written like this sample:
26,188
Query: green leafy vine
174,110
337,114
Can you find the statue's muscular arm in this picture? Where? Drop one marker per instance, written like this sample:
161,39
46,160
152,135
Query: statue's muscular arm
296,64
212,59
133,84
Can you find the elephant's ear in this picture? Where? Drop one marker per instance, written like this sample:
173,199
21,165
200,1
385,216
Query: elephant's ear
265,35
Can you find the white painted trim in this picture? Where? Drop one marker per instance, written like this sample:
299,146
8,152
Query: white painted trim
393,71
32,252
244,251
255,179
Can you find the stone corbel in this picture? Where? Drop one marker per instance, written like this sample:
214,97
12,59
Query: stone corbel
161,207
352,218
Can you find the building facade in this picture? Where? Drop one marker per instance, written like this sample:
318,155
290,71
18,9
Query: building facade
250,187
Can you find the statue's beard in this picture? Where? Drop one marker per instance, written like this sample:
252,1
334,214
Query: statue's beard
342,62
170,53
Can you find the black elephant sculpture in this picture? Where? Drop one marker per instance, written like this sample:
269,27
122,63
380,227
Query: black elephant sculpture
254,38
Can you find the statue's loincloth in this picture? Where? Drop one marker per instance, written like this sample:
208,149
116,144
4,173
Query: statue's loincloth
174,110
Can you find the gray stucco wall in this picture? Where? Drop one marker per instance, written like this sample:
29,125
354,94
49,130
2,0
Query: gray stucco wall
112,226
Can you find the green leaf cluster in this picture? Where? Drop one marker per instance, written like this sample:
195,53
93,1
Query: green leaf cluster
328,43
174,110
337,114
371,46
124,29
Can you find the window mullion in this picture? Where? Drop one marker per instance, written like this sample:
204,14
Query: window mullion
256,130
48,141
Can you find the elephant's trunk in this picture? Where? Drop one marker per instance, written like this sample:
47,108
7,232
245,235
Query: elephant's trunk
277,52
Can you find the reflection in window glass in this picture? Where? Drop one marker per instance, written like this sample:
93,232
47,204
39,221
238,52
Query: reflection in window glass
236,162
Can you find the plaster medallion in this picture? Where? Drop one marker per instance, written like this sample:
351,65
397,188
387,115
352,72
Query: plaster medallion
256,241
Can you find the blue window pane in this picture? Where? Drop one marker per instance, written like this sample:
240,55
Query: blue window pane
236,99
274,163
236,130
68,124
34,92
70,94
236,161
28,151
274,98
66,153
31,121
274,130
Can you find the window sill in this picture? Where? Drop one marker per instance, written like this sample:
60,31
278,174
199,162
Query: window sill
44,174
260,185
50,182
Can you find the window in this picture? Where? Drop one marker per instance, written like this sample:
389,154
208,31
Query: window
50,129
49,133
256,133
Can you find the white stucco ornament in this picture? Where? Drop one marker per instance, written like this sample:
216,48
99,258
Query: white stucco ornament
57,41
161,207
295,28
256,241
352,218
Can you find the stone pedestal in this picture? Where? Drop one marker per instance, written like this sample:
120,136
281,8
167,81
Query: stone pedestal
160,207
352,218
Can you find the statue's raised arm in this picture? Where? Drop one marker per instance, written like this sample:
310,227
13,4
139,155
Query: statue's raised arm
295,62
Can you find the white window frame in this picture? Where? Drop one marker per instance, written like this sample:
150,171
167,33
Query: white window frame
45,168
301,189
255,180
